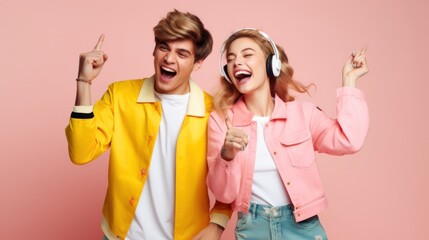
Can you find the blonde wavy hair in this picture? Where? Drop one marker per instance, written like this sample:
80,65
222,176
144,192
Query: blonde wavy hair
181,26
227,95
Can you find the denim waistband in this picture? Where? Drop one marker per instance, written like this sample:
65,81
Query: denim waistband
270,211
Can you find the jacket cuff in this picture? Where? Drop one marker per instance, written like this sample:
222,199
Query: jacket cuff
225,163
351,91
82,112
83,109
82,115
219,219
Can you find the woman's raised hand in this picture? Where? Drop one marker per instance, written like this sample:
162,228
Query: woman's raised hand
354,68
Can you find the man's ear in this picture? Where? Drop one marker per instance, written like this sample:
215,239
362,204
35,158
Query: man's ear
197,65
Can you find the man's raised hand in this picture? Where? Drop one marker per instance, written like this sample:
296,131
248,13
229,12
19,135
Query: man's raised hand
91,63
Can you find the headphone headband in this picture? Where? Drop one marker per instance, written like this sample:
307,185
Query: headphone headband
273,62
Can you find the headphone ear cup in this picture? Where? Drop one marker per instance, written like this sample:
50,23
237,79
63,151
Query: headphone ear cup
276,66
270,66
225,71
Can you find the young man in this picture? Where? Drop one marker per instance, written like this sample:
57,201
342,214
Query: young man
156,131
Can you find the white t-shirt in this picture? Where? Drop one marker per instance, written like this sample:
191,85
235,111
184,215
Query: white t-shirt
267,188
154,217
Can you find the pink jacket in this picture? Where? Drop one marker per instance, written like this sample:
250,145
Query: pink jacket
295,131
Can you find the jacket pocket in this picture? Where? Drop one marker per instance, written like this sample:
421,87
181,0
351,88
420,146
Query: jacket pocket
299,148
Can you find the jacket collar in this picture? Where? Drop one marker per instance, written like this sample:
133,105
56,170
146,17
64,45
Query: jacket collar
242,116
196,105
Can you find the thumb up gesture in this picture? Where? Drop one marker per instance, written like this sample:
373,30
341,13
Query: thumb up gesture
235,141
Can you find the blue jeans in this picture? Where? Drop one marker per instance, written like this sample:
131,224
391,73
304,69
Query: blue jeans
276,223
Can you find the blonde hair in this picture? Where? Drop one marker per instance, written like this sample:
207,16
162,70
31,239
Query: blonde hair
181,26
227,95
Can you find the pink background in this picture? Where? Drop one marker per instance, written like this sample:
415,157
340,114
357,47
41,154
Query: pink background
379,193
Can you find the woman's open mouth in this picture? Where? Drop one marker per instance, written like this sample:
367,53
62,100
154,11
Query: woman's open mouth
242,76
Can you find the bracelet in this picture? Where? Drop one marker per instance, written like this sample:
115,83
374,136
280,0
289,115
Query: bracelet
83,80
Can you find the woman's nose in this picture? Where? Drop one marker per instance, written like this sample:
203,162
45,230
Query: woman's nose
238,62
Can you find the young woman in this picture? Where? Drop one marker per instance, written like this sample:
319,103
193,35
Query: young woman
262,143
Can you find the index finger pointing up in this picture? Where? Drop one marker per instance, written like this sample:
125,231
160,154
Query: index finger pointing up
363,50
99,43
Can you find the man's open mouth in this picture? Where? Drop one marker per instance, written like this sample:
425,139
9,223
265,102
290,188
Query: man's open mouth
167,73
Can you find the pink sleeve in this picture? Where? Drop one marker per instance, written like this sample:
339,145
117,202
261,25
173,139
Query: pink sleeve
223,178
347,133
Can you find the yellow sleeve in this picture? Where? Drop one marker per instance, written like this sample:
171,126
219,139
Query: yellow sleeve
88,138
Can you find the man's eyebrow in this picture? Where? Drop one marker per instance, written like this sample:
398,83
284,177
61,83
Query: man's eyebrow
164,44
183,50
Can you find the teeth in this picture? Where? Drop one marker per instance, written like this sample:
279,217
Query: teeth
168,69
238,73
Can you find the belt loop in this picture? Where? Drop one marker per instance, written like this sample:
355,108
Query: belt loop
254,209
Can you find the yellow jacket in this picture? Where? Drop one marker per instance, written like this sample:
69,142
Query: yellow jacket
129,128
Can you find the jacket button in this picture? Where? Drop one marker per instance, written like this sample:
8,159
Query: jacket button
132,201
288,183
275,153
143,172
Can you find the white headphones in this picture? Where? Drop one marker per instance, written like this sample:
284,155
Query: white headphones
273,64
